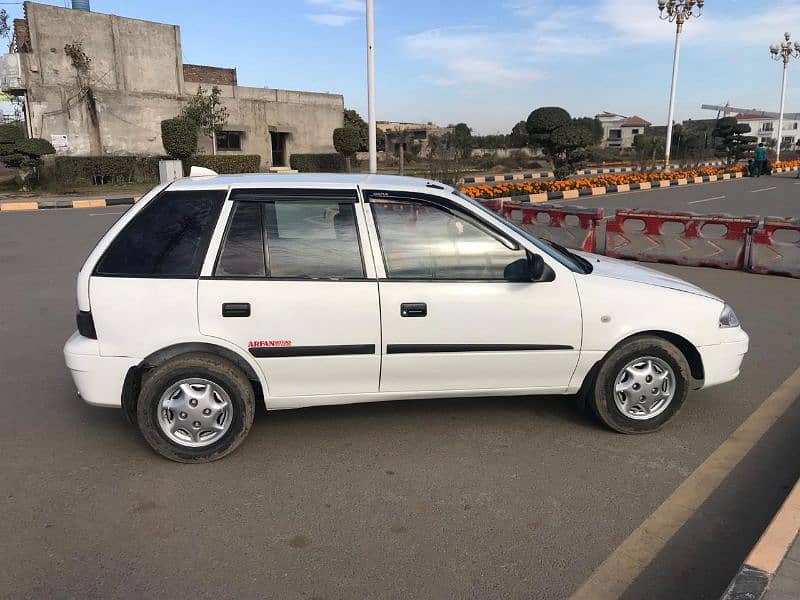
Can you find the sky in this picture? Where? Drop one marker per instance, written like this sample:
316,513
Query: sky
490,63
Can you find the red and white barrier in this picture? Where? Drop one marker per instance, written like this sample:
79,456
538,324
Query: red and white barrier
680,238
571,226
776,247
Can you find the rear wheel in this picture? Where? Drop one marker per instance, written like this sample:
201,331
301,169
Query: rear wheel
641,385
195,408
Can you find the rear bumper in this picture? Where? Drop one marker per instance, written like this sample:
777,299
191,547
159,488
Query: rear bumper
99,379
721,362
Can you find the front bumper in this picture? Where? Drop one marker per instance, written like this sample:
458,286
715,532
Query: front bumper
99,379
721,362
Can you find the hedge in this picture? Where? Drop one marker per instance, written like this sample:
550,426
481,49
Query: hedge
228,163
318,163
104,169
179,137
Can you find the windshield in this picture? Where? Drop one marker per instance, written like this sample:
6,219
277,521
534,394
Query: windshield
565,257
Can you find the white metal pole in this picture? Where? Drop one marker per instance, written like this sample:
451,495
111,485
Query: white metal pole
783,102
672,91
373,144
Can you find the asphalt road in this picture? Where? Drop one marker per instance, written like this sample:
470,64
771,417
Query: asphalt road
461,498
777,195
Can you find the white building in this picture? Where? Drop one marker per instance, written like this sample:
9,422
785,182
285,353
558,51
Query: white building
619,130
766,129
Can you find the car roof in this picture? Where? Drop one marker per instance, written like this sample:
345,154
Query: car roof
299,180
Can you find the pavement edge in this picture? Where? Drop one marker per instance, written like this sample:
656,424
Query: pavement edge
760,566
80,203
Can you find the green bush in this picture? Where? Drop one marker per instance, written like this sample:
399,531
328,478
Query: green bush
318,163
105,169
346,140
11,133
179,137
227,163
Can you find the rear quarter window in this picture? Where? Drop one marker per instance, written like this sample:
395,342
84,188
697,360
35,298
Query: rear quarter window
168,238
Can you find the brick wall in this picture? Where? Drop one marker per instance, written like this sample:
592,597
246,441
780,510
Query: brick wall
209,75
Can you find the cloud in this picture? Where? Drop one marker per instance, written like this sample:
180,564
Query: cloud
339,5
336,13
468,55
633,23
333,20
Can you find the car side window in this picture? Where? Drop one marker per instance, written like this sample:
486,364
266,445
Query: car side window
302,239
425,241
243,249
312,239
167,238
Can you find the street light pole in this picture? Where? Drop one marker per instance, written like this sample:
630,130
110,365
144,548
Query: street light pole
676,11
373,142
784,52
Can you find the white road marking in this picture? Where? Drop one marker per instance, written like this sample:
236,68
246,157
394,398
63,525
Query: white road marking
763,190
104,214
706,200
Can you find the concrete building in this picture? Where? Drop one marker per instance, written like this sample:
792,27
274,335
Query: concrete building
619,130
131,76
766,129
415,134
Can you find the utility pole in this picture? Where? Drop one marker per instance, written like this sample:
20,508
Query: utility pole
373,142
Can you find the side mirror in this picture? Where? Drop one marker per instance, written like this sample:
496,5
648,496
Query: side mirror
537,267
525,270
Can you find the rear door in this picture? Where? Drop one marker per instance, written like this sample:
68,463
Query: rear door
291,287
450,320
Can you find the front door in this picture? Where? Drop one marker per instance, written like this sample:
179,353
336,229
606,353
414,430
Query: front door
291,287
278,149
450,320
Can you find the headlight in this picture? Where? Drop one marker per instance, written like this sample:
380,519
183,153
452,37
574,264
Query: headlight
728,318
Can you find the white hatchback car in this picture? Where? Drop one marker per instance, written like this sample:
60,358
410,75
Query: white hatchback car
213,293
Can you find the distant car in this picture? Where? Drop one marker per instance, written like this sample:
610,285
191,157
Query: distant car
214,293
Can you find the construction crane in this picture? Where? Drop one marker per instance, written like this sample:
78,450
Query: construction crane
728,109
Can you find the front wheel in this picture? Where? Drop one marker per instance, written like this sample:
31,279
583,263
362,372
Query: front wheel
641,385
195,408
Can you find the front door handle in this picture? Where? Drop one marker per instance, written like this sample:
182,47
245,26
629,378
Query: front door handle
236,309
413,309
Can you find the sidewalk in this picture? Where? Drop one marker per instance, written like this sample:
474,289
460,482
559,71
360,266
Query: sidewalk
772,570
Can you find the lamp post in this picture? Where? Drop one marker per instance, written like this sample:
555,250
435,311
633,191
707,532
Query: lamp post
676,11
783,51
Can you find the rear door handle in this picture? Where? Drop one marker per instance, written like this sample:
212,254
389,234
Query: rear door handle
236,309
413,309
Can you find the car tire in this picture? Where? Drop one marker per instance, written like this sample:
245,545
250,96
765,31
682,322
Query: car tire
640,366
201,390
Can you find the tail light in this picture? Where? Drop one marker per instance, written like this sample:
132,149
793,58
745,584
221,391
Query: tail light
86,324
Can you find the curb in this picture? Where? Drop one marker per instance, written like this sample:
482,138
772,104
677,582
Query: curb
613,189
760,566
83,203
634,169
505,177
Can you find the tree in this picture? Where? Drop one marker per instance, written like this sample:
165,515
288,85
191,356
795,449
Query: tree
563,140
648,146
571,141
179,138
519,135
24,154
462,140
732,138
542,122
208,113
353,119
346,140
594,126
